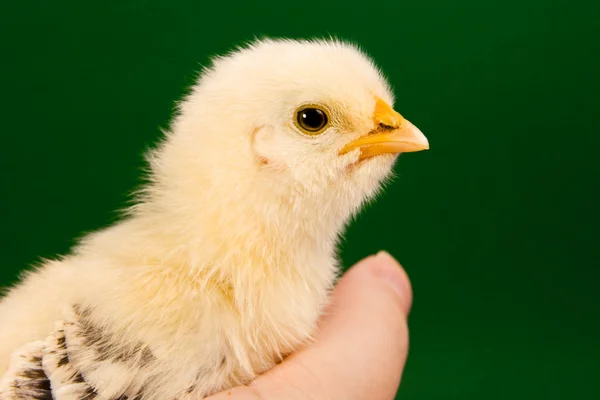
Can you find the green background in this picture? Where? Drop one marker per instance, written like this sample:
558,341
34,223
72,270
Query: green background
497,224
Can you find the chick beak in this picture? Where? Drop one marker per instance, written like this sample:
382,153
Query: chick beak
392,134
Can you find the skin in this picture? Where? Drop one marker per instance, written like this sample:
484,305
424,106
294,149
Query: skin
360,348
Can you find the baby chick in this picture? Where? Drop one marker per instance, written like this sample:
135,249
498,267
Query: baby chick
225,262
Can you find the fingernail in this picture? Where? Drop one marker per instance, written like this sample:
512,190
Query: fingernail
388,268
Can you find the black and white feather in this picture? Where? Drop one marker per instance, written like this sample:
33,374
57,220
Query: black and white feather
74,361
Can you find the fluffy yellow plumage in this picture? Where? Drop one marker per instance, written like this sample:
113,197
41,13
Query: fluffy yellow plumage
225,263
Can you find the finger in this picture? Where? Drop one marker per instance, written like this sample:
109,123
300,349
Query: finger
361,346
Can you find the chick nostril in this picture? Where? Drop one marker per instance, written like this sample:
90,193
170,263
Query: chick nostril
386,127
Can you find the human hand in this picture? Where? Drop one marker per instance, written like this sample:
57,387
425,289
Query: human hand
360,348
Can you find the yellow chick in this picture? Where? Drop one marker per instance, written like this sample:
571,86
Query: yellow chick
225,262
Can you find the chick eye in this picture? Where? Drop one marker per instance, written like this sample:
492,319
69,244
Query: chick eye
312,120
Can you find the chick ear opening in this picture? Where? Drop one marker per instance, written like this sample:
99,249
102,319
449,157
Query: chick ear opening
260,138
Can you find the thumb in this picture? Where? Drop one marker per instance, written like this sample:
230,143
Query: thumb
361,345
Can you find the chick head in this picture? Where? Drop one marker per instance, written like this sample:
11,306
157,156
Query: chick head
303,122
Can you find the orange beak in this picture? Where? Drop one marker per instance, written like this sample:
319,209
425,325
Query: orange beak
392,134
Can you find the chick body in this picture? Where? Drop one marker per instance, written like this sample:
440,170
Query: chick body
208,332
224,264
